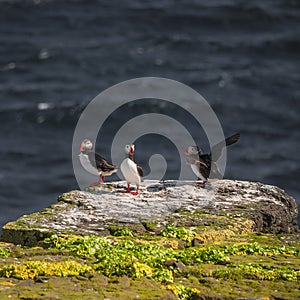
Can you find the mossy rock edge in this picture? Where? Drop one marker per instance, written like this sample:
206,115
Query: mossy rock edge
219,210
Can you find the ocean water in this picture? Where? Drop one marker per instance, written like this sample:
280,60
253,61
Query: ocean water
56,56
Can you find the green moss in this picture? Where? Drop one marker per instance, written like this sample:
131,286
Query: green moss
179,232
129,264
70,197
120,231
211,227
95,288
82,246
4,252
257,271
152,226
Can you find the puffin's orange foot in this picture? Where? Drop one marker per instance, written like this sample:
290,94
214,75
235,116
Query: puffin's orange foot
201,182
128,189
95,183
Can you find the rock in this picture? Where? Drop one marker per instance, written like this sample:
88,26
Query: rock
175,264
221,209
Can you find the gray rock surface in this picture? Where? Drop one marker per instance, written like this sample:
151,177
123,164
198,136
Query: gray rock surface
222,205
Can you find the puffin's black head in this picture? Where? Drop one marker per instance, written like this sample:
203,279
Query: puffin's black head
129,149
86,146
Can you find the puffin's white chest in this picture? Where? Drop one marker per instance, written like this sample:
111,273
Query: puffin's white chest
130,172
195,169
86,164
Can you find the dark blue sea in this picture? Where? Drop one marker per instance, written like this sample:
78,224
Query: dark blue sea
56,56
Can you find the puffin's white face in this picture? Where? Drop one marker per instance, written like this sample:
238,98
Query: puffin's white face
86,145
192,150
129,149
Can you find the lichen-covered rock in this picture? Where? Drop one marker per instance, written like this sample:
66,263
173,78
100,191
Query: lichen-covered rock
218,210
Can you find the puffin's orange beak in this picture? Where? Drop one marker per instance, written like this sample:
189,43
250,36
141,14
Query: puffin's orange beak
186,150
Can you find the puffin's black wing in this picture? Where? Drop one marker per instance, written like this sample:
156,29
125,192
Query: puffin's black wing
218,148
140,170
101,163
204,165
195,160
232,139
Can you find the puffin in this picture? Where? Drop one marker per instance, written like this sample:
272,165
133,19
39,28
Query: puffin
130,170
102,168
202,164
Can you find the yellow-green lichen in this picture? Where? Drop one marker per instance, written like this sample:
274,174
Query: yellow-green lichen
32,269
181,291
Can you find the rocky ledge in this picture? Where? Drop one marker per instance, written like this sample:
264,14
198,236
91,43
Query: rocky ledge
215,211
175,241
